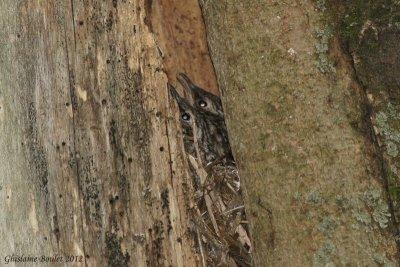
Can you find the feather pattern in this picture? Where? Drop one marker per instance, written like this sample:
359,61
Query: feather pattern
220,210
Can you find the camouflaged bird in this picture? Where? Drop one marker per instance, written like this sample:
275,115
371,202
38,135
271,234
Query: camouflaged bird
205,138
201,99
205,116
187,114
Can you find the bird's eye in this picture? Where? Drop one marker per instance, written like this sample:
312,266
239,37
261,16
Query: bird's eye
202,103
185,116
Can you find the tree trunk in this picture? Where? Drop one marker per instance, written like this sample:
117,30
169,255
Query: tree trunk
301,132
91,158
371,32
92,163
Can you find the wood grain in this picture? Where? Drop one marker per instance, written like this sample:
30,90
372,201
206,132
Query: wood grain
91,159
180,32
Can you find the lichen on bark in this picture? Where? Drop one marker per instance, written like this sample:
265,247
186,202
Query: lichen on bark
301,134
370,30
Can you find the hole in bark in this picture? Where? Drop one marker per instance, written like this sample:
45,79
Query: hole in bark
130,160
63,143
104,102
113,199
162,149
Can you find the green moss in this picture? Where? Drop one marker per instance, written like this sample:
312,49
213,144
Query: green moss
357,13
394,192
299,163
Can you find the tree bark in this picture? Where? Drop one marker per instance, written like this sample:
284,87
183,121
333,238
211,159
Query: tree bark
91,158
301,132
371,33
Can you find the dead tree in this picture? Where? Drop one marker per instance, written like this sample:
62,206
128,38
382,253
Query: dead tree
91,154
92,161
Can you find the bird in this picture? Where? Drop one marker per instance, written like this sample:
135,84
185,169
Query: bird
202,99
208,121
186,119
205,138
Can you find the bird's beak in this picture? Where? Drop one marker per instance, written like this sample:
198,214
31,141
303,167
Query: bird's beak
190,87
186,83
173,92
180,100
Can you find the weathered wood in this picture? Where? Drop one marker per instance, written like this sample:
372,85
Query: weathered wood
301,134
91,158
179,29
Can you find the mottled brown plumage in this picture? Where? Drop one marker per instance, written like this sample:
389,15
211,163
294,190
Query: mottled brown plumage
207,122
186,116
214,171
201,99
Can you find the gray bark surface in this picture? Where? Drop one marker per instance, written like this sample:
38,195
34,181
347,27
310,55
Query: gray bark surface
302,136
91,162
91,159
371,32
